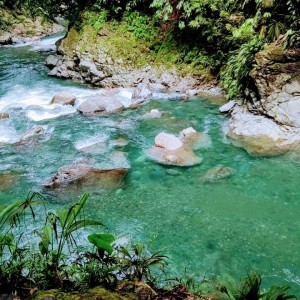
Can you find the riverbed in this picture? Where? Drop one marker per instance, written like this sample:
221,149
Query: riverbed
249,220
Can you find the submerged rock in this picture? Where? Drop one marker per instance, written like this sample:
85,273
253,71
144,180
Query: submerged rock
4,115
84,175
35,134
63,98
153,114
100,106
217,173
193,139
260,136
169,150
7,181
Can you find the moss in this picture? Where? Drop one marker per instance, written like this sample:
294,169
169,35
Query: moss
98,293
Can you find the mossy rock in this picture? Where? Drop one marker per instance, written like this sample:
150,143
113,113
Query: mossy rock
98,293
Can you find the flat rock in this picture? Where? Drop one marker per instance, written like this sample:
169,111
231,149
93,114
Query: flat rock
217,173
84,175
182,157
227,107
261,136
168,141
63,98
100,106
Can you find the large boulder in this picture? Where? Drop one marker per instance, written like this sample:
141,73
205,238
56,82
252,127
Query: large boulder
141,93
100,106
85,176
169,150
63,98
277,78
261,136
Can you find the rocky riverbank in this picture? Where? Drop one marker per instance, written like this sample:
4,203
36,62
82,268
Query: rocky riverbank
269,122
18,28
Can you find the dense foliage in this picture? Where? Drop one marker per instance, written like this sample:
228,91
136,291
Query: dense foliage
222,36
48,256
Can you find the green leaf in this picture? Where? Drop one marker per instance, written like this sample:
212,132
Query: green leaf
102,241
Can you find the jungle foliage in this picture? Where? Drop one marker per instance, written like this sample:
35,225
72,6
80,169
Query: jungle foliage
222,36
42,257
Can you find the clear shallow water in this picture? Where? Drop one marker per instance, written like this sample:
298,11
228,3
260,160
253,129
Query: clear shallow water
250,220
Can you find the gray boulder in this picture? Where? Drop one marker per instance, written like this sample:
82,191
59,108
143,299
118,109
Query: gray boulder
63,98
100,106
227,107
84,175
141,93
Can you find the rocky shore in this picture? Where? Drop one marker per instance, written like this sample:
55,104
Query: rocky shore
21,29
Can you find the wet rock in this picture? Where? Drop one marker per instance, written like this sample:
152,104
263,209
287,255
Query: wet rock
6,39
100,106
52,61
169,150
4,116
141,93
84,175
167,141
217,173
193,139
63,98
153,114
260,136
227,107
34,135
7,181
120,142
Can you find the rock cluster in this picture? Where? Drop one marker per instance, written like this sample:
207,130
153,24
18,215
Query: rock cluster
177,151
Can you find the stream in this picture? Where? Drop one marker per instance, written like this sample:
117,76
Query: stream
249,220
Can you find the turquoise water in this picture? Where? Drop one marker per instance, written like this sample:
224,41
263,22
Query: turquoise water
250,220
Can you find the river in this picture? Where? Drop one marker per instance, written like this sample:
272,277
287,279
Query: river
250,220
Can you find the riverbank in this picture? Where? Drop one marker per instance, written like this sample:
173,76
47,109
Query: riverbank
19,28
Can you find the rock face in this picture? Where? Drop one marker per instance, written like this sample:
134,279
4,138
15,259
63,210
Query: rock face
100,106
217,173
101,60
84,175
170,150
261,136
24,30
63,98
277,79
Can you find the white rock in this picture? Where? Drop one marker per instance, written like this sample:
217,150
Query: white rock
227,107
168,141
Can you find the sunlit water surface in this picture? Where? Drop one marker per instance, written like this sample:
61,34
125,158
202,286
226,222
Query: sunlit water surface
250,220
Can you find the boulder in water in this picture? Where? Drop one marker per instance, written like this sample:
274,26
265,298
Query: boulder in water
169,150
217,173
260,136
63,98
141,93
35,134
100,106
153,114
84,175
4,115
193,139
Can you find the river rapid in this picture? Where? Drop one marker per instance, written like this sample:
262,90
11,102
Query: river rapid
249,220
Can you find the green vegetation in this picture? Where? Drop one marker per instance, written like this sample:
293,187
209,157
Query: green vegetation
212,37
60,263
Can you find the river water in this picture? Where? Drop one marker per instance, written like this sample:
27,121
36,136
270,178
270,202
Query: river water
250,220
